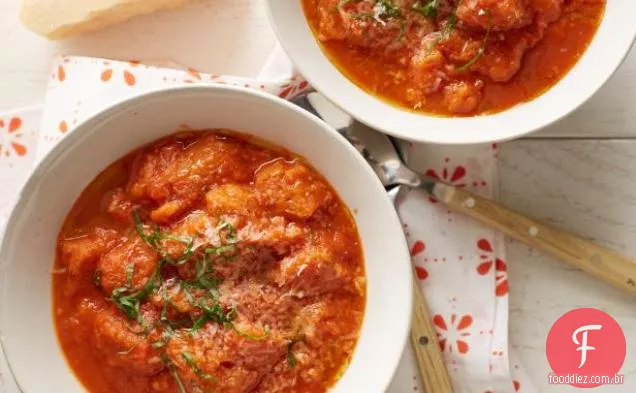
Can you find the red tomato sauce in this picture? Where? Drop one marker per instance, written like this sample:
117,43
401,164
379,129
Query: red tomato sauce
208,262
455,57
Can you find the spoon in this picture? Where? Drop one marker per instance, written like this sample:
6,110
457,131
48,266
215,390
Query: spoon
379,150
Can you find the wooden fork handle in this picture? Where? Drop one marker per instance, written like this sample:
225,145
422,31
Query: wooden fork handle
430,362
593,259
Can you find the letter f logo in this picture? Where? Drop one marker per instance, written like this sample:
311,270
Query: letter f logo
583,344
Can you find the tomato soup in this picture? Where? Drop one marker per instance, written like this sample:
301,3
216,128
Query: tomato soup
205,262
455,57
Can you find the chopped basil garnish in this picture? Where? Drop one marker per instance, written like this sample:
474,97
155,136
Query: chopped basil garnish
175,375
201,291
385,9
130,270
156,236
158,344
449,27
427,8
344,3
229,230
129,350
187,357
291,359
251,336
130,302
482,48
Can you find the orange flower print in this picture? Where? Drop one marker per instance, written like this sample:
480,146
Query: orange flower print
61,73
294,87
194,73
192,76
517,385
501,268
417,248
106,75
11,134
451,335
63,126
128,76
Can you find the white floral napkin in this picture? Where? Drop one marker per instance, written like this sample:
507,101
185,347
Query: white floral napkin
460,264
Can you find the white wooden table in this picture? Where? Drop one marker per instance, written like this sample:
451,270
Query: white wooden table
579,174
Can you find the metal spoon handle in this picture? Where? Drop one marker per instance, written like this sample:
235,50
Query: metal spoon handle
593,259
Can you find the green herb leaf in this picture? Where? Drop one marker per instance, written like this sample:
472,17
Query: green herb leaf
202,266
214,293
166,302
291,359
205,283
130,270
151,239
158,344
482,48
130,303
221,250
229,230
187,241
428,9
227,252
177,378
187,293
449,27
385,9
361,16
154,241
187,357
129,350
211,310
204,276
252,337
216,313
344,3
198,324
168,333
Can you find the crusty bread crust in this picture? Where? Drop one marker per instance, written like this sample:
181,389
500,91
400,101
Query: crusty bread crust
34,18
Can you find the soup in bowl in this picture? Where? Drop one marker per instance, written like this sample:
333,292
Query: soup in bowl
177,245
455,71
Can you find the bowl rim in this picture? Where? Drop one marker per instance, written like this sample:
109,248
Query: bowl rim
111,109
383,116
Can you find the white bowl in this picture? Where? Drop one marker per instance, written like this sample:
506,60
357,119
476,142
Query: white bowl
607,51
28,248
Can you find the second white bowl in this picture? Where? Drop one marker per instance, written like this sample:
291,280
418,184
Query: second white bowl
607,51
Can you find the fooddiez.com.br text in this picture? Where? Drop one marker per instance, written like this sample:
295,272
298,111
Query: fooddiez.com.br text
569,379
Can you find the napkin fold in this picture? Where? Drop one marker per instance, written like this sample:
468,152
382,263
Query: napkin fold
461,265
